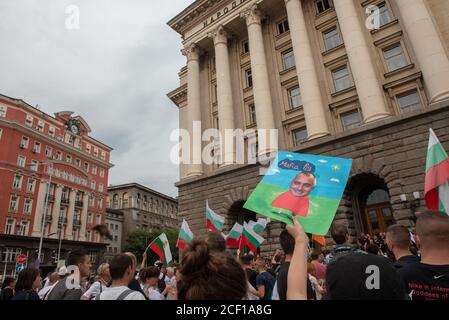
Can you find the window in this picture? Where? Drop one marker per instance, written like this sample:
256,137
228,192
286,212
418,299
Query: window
100,203
9,228
283,27
21,161
115,249
68,158
252,113
22,228
299,136
13,203
100,187
86,166
88,237
342,79
323,5
395,58
88,148
37,147
116,227
24,142
3,111
294,97
115,238
384,14
331,38
89,218
17,182
31,184
249,78
245,46
96,152
409,101
34,165
103,155
98,219
94,169
59,155
78,162
40,126
51,131
27,206
48,151
351,120
91,201
93,185
288,59
29,121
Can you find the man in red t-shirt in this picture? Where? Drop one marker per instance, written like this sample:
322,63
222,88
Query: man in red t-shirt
296,199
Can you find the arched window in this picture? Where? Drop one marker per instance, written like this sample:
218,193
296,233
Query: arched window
115,201
125,200
145,202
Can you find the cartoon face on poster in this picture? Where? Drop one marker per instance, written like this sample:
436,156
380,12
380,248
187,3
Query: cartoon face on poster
309,187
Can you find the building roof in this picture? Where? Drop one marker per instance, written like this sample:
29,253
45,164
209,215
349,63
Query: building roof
189,13
141,187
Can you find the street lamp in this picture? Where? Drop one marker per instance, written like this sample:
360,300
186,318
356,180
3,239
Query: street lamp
60,243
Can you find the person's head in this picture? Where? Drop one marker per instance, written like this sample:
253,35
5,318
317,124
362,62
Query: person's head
150,276
310,268
314,255
208,275
287,242
53,278
372,248
303,184
340,234
133,259
9,282
247,260
121,268
432,231
170,272
103,271
261,265
358,276
398,238
29,279
81,260
216,242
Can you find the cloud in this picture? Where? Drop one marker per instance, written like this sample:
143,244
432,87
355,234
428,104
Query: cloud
115,71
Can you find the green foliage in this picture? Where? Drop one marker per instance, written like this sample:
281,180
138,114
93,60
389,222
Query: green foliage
139,240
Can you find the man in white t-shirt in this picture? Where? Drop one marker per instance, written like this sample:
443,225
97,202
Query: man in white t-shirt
98,286
121,270
170,281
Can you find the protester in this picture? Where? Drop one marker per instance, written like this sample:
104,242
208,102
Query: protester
7,289
71,287
98,286
150,280
121,269
275,263
28,282
216,242
340,235
429,279
319,269
372,248
170,282
398,242
264,281
317,287
209,275
247,262
52,280
134,283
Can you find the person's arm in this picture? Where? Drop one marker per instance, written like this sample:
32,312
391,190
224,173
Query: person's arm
144,261
297,275
260,291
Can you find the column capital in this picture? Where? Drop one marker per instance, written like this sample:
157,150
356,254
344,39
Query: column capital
253,15
191,51
220,35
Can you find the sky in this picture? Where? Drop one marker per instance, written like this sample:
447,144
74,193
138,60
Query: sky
115,71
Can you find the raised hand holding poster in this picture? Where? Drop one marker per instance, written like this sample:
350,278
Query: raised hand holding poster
309,187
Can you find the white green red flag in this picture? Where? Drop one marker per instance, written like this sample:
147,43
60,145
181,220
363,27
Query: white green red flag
214,222
260,225
250,238
437,176
233,238
185,236
161,247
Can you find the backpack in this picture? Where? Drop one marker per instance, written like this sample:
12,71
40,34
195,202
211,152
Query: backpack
122,295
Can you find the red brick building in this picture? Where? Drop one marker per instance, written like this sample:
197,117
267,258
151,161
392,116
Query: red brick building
36,149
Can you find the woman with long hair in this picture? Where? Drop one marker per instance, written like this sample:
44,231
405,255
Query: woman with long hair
28,282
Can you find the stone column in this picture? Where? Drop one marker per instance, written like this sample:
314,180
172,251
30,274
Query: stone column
427,46
55,212
261,83
195,168
371,97
70,215
84,217
314,107
40,209
224,92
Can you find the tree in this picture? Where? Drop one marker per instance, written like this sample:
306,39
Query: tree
139,240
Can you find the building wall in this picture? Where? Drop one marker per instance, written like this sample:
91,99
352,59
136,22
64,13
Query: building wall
114,222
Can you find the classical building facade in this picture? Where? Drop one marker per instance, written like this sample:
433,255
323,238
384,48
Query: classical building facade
143,208
361,79
54,177
114,222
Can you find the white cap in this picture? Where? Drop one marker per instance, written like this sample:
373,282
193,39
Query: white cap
62,271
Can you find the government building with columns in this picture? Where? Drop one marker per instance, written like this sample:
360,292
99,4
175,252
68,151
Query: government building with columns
332,83
54,175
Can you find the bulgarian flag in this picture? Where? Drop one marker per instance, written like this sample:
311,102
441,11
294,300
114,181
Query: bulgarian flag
260,225
214,222
233,238
437,176
185,236
250,238
161,247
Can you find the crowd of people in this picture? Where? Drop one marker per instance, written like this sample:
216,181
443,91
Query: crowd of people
395,265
